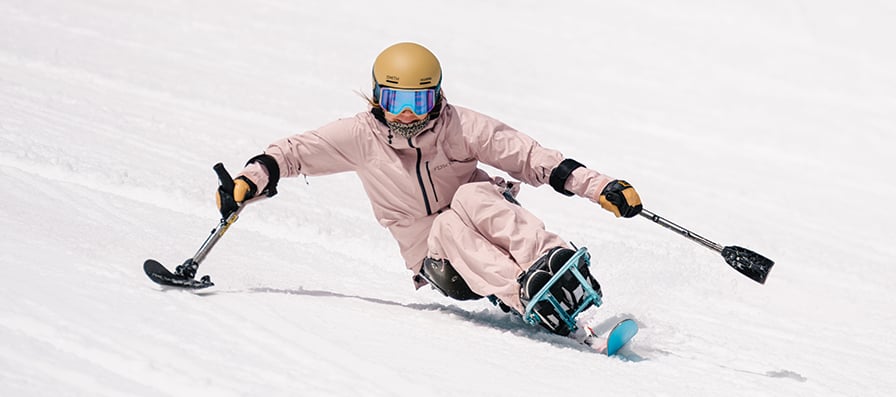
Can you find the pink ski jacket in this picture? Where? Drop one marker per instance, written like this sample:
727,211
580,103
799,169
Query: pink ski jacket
410,181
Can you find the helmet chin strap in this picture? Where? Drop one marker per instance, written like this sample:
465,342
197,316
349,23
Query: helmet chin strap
407,130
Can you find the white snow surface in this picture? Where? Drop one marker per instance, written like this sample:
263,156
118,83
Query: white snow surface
765,124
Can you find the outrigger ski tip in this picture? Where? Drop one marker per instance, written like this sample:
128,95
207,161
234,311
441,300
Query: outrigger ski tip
162,276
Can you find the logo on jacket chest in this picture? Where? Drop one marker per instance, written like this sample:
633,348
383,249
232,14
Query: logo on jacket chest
440,167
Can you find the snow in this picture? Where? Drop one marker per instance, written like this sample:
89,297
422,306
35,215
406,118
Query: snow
764,124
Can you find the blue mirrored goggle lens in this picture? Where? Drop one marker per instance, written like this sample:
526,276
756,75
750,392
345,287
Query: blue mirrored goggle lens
419,101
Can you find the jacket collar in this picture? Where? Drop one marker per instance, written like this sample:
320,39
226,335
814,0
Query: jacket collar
400,142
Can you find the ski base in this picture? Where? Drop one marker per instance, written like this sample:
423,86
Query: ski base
618,337
162,276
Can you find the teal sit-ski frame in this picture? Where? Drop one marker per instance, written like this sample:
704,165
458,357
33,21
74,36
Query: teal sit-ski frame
545,294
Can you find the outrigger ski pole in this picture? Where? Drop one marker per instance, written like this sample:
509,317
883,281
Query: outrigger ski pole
747,262
184,275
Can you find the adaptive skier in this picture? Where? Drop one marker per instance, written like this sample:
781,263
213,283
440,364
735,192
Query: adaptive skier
458,228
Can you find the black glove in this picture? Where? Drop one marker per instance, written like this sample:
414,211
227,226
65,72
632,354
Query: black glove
621,199
230,195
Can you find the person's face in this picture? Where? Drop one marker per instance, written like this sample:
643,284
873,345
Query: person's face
405,117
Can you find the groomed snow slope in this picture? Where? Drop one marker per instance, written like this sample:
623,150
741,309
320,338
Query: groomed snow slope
765,124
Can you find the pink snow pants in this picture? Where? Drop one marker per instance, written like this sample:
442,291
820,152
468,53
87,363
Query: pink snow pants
489,241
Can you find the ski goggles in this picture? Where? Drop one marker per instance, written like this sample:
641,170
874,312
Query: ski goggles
395,100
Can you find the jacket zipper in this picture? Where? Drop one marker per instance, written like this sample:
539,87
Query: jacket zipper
431,184
420,177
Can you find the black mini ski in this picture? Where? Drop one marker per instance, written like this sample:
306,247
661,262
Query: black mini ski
163,276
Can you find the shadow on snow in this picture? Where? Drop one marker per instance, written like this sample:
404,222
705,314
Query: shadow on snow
489,318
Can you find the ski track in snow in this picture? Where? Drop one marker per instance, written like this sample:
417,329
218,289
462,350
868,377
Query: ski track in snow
761,124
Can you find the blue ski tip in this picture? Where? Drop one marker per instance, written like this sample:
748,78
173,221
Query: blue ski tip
620,335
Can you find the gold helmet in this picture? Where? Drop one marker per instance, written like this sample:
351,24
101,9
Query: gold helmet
408,66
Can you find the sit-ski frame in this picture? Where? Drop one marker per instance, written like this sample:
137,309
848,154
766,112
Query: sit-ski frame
545,294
